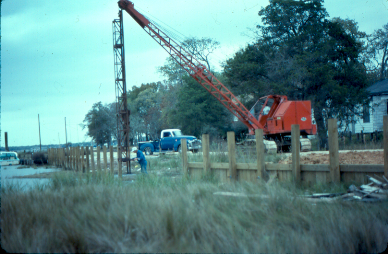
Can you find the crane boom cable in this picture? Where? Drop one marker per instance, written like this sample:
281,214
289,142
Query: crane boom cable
165,25
175,34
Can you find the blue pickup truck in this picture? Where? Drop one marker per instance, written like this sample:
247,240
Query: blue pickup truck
170,140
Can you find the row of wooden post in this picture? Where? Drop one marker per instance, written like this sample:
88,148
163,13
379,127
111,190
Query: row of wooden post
334,165
81,159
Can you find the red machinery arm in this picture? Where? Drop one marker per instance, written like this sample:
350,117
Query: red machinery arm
195,69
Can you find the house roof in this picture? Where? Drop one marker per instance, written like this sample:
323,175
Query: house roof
380,87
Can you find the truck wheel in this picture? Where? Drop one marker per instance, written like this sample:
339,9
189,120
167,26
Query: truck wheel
179,149
147,151
195,150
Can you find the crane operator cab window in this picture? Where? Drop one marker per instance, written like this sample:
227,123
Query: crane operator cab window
261,107
266,110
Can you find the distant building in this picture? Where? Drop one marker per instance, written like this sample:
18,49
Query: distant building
372,117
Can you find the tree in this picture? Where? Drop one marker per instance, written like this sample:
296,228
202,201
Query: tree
184,103
201,49
199,112
100,123
378,52
299,52
144,104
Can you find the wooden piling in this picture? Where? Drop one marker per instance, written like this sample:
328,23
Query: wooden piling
63,158
295,146
260,154
333,150
105,159
232,171
111,160
82,159
120,164
77,159
385,133
184,157
87,166
73,158
98,158
206,152
92,159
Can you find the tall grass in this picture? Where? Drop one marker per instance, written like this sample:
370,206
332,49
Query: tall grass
158,214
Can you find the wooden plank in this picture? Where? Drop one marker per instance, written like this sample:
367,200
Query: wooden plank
321,177
98,158
82,152
260,163
232,172
372,168
360,178
246,166
295,146
105,156
195,173
278,167
72,158
285,176
195,165
120,163
219,165
315,167
111,160
77,158
184,156
206,152
308,177
348,177
242,175
333,150
221,173
385,133
87,167
92,159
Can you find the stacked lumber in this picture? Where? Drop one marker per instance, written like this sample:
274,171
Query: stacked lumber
375,191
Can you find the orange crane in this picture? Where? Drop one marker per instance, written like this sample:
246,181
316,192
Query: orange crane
276,123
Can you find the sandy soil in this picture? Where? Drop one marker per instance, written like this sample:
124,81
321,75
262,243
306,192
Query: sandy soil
348,157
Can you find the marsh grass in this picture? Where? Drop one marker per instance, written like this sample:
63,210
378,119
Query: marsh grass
81,213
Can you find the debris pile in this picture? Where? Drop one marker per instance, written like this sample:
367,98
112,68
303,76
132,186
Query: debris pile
376,190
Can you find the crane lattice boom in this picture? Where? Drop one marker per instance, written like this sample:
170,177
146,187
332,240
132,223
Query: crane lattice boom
194,68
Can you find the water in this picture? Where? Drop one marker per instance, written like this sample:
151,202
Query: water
8,172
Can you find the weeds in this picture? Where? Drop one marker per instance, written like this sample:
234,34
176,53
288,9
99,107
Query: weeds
158,214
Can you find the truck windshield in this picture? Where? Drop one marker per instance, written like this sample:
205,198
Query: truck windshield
177,133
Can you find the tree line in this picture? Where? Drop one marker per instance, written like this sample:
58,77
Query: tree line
298,51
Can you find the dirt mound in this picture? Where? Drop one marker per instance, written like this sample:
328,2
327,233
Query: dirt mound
351,157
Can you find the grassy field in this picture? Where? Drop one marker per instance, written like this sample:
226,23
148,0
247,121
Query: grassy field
97,213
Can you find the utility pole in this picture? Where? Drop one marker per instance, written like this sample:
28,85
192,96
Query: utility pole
65,132
6,141
40,142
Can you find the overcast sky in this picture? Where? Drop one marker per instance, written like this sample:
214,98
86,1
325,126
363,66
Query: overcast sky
57,56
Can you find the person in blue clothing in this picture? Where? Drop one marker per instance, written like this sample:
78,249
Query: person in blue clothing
141,159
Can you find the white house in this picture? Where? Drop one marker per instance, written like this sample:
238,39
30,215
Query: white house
372,119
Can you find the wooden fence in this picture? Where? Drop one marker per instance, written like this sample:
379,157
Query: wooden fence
332,172
82,159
